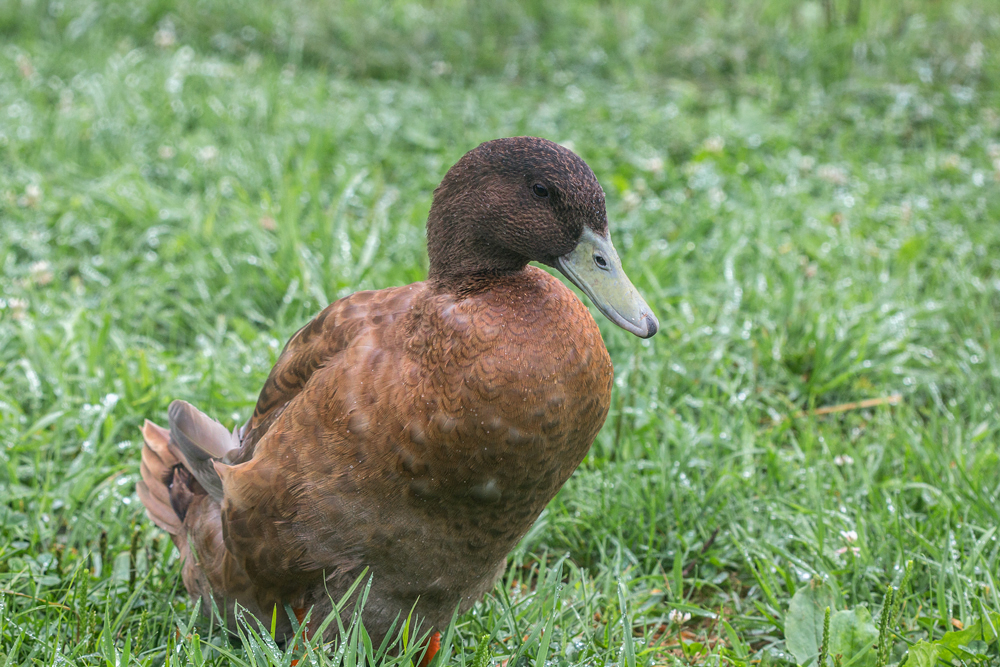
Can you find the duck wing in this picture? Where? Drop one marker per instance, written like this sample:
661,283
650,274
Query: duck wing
299,474
311,348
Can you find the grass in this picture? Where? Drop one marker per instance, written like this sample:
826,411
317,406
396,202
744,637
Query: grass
808,200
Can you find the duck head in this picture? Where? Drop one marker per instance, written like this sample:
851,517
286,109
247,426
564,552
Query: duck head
511,201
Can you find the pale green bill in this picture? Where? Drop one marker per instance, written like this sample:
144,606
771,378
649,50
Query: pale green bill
595,268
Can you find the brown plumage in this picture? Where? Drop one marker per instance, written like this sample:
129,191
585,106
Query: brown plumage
417,431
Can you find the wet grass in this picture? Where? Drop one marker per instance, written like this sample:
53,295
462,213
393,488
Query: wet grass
810,205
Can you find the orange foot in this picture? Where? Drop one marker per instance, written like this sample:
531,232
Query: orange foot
433,646
300,615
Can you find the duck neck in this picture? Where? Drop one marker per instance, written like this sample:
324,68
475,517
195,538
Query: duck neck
463,250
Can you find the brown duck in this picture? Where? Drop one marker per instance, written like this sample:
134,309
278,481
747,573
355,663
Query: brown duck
417,431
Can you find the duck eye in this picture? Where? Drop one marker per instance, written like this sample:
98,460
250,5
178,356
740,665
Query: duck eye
540,190
600,261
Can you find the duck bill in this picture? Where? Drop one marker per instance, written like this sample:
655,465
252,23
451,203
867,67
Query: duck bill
595,268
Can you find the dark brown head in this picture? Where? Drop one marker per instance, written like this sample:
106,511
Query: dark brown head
511,201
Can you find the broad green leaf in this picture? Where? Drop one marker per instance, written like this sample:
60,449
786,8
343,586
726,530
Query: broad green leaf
953,644
804,620
853,636
923,654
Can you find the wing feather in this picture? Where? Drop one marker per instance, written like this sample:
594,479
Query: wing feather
311,348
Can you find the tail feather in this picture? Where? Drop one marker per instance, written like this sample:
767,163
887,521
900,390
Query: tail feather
192,444
154,483
157,470
200,440
157,439
162,515
178,501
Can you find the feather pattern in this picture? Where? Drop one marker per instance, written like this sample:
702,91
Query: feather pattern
417,431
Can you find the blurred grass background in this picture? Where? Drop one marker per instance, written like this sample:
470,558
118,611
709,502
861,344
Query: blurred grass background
807,194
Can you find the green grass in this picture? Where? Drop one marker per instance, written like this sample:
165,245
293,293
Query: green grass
809,203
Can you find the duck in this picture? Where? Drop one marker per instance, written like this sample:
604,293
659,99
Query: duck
411,435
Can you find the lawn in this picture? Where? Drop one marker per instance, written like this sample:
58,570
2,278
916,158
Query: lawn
807,194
